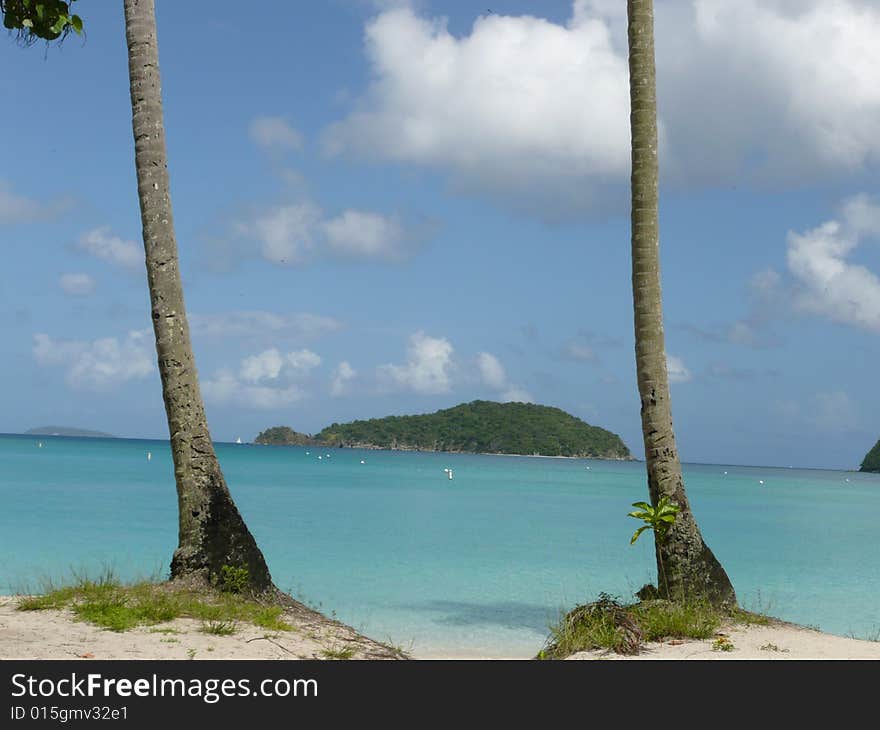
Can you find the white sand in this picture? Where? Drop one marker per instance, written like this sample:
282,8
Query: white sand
58,635
776,641
53,634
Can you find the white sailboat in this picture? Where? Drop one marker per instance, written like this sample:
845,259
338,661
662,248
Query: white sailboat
238,440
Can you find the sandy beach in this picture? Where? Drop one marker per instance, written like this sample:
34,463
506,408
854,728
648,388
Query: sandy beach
54,634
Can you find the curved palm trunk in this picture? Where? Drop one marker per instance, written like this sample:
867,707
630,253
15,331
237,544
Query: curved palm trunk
686,565
212,533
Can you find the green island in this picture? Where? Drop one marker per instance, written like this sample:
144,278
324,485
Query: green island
67,431
871,462
479,427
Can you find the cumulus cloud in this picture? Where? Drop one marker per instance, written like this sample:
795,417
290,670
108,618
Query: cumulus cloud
493,374
258,323
364,234
343,376
676,370
101,243
296,233
537,112
274,133
428,367
101,363
824,281
285,233
264,381
21,209
515,104
77,285
227,389
491,370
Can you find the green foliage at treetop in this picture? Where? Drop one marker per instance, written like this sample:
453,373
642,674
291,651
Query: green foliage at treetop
483,427
871,462
283,436
34,20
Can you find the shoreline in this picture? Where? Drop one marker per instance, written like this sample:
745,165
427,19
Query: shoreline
57,634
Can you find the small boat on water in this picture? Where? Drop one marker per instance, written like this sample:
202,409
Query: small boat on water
238,440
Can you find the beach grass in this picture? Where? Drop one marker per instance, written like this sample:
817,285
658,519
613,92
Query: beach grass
607,624
107,602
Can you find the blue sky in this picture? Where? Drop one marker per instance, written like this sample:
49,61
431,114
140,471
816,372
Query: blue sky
392,207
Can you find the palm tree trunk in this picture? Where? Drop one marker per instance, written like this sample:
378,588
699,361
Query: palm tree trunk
691,569
212,533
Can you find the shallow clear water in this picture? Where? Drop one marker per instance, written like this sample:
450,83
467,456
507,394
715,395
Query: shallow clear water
474,566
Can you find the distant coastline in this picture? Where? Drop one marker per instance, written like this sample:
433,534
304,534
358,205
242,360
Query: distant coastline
67,431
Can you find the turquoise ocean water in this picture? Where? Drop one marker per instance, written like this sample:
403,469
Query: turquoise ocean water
474,566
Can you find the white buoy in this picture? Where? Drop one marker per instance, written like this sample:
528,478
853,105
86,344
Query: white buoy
149,456
363,462
320,457
450,473
588,467
39,444
307,453
760,481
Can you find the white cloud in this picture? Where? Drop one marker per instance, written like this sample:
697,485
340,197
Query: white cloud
364,234
518,103
266,365
285,233
493,374
343,376
491,370
20,209
537,112
269,132
826,283
77,285
428,368
676,369
101,363
226,389
789,84
257,323
296,233
264,381
102,244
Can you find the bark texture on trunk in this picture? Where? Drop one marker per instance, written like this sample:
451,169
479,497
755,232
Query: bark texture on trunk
689,566
212,533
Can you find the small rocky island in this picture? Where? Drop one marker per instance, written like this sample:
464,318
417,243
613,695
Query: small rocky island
478,427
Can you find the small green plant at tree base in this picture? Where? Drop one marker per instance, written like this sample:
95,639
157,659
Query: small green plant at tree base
772,647
232,579
343,653
219,628
659,519
722,643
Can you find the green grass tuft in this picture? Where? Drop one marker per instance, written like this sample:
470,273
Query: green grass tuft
108,603
607,624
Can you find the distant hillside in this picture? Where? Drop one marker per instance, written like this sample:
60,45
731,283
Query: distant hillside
483,427
283,436
871,462
67,431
